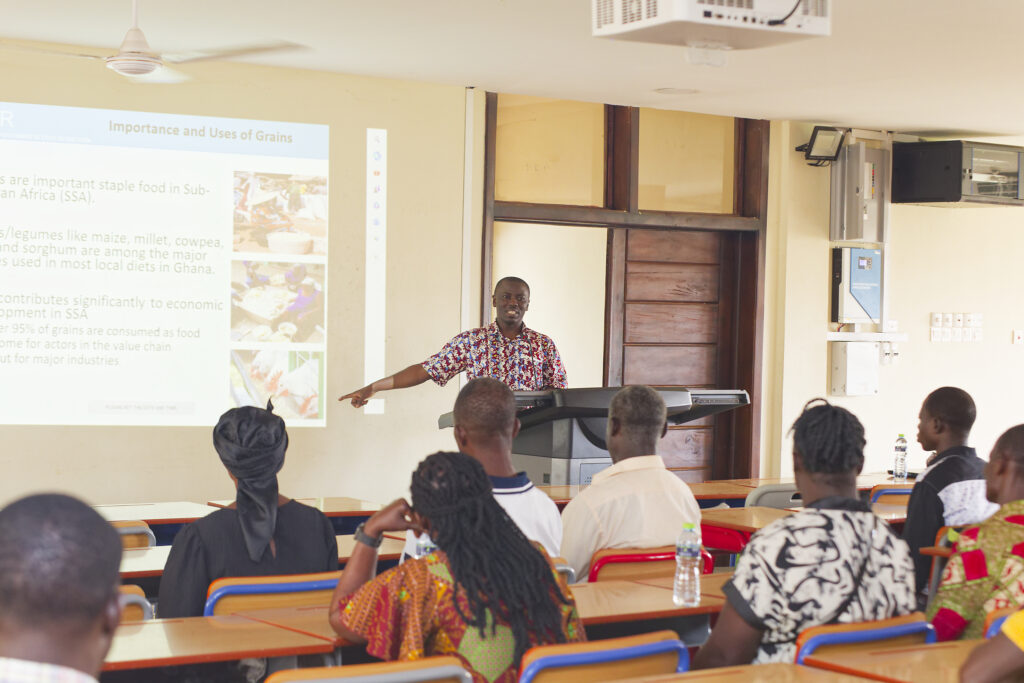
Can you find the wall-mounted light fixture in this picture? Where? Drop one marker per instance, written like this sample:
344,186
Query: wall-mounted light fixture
824,145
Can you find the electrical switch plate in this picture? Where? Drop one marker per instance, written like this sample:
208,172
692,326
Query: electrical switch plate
968,334
1018,336
936,334
936,320
978,334
970,320
892,325
958,320
947,320
947,334
957,335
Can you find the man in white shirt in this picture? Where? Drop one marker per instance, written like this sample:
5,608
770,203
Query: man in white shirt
637,502
485,425
59,581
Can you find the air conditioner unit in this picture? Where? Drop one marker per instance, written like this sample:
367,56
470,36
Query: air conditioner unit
725,24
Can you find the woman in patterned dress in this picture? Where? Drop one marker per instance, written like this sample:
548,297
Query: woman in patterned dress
486,594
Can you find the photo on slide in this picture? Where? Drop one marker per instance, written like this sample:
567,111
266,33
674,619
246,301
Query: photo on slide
277,302
280,213
292,380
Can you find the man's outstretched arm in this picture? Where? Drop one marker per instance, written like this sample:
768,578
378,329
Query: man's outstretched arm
410,377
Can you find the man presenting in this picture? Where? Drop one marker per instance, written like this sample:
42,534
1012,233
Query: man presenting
506,350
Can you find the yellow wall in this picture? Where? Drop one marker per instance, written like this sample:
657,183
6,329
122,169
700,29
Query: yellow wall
566,271
686,161
356,454
941,259
549,151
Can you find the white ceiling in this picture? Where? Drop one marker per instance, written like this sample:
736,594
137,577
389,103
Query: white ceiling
934,66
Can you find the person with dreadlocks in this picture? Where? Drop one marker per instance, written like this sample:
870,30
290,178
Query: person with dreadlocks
833,562
260,534
486,595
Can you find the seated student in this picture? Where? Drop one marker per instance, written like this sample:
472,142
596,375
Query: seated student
951,491
485,425
486,595
999,659
986,571
635,503
262,533
833,562
59,602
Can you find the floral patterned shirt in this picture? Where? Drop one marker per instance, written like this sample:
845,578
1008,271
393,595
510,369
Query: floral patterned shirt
529,362
409,613
984,574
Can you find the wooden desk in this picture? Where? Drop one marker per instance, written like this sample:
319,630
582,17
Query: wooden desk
935,663
719,490
891,513
864,481
390,548
752,673
141,562
936,551
611,601
710,584
706,491
894,514
154,513
561,494
334,506
173,642
731,529
311,621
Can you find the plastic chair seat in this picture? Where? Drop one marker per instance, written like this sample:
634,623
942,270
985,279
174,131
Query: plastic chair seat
909,628
648,654
241,593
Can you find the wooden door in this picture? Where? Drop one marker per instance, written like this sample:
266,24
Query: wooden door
672,305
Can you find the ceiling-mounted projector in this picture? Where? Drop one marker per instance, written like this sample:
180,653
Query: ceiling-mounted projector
724,24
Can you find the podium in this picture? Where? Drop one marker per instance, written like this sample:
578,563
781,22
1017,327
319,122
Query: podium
562,435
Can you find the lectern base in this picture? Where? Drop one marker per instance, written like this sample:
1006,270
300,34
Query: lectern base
559,471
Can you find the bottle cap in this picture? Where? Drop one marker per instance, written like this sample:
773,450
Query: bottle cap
689,526
901,436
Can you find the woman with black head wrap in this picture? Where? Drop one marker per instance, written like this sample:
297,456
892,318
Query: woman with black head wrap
486,595
262,533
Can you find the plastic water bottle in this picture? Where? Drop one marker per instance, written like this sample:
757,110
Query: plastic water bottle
899,462
686,587
424,546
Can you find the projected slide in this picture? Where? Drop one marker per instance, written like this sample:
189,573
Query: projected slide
157,269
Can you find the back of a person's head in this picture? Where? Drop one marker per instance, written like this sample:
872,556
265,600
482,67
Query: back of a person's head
490,558
485,407
1010,445
641,414
954,407
59,563
828,439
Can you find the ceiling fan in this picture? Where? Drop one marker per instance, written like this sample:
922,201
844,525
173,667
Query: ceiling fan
137,61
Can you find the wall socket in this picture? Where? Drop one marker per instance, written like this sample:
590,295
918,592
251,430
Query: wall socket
1018,336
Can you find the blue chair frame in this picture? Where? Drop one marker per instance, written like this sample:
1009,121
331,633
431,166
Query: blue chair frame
865,636
994,627
266,589
602,656
889,492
